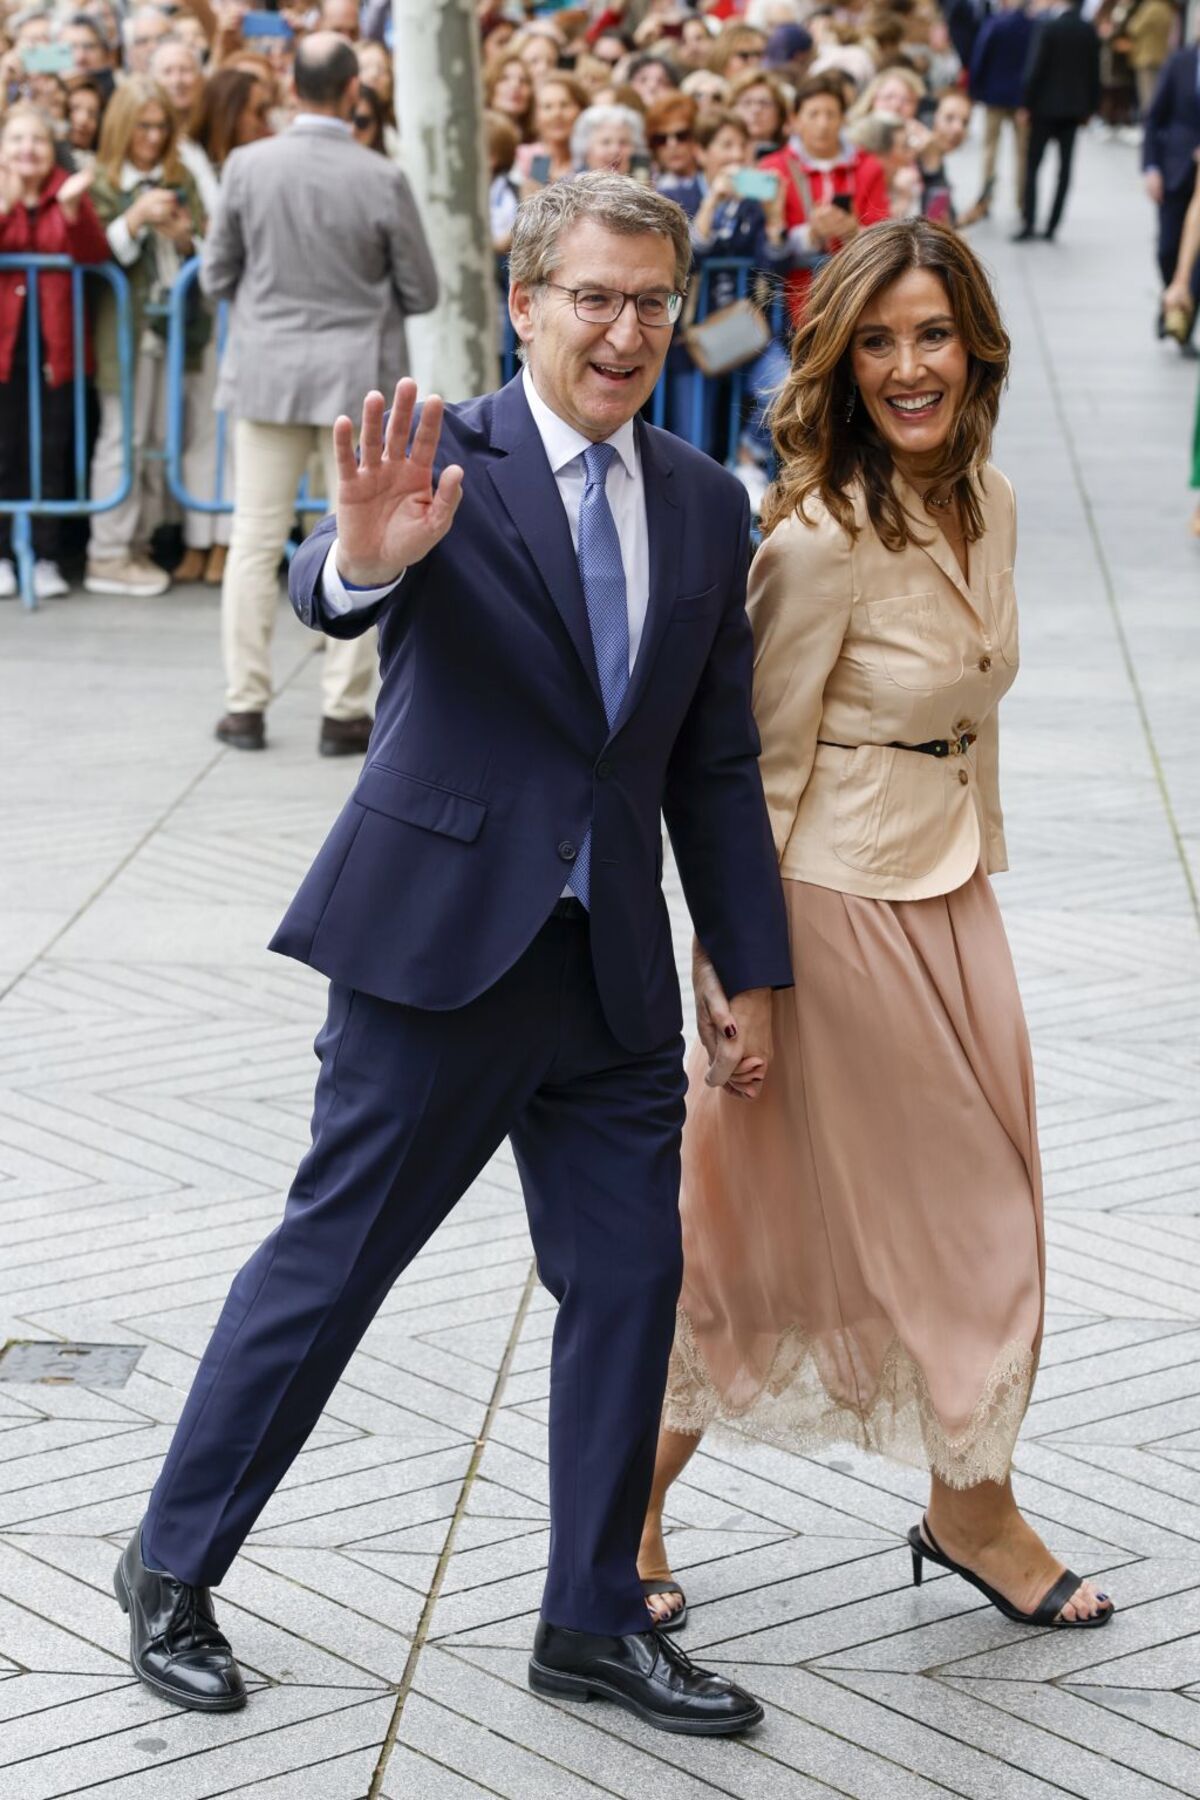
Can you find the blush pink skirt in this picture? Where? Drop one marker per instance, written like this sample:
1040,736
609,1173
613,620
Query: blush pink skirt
864,1259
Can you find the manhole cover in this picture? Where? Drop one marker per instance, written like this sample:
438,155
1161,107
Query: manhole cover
82,1365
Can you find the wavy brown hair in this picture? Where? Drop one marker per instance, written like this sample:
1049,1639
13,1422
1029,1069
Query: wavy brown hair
823,452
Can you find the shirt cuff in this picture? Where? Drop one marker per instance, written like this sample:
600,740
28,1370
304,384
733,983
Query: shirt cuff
343,597
125,247
800,237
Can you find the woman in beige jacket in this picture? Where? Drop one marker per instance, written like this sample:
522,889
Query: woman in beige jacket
863,1245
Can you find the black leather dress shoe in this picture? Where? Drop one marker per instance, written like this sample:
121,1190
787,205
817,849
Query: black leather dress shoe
644,1672
174,1643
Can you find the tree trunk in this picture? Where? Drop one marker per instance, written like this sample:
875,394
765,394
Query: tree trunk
439,109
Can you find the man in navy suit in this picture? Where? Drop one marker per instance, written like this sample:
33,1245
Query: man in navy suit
559,591
1169,147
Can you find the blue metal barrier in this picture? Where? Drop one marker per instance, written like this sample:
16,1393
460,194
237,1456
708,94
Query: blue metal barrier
23,510
682,399
176,405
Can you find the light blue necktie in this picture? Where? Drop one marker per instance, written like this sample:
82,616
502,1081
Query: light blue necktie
603,576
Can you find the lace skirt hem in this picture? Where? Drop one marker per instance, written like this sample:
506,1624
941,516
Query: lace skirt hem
795,1409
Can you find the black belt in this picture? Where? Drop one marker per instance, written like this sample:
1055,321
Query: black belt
935,747
569,908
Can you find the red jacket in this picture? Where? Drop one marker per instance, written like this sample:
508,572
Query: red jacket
45,230
855,173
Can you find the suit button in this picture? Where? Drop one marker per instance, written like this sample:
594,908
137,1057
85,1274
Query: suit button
603,771
567,851
985,663
963,777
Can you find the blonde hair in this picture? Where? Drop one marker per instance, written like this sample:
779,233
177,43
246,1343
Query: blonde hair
129,100
829,447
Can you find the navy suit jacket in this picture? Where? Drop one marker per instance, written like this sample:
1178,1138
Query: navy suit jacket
1062,76
491,753
999,58
1172,134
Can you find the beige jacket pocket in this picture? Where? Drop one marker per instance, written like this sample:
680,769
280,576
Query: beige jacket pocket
890,817
910,638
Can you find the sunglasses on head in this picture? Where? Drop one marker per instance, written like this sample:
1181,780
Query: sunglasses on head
660,138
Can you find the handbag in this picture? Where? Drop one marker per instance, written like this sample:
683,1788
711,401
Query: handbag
728,339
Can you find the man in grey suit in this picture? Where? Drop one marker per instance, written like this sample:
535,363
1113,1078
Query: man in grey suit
318,244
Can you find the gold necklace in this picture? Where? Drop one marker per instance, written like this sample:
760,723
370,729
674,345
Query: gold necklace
940,504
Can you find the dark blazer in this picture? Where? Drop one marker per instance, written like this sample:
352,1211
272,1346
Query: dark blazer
491,751
1173,120
999,58
1062,76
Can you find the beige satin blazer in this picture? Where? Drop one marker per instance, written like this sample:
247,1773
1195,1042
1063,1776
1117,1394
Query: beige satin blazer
860,646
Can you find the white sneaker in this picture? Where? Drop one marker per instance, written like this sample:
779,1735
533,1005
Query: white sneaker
8,579
129,574
753,478
48,583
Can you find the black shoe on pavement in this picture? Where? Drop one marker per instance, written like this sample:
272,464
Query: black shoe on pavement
242,731
345,737
1026,235
175,1645
644,1672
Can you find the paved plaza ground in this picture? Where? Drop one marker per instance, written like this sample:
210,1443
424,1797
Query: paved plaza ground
155,1079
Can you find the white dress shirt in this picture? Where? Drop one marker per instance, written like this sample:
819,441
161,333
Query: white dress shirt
564,447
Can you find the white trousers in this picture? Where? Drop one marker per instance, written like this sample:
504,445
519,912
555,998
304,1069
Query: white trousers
268,462
118,531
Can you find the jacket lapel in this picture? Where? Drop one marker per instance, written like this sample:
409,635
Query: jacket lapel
932,541
664,530
526,485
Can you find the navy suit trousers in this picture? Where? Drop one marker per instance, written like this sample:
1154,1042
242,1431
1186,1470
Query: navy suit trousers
410,1105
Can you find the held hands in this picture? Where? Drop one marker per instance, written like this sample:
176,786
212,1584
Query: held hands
388,514
736,1034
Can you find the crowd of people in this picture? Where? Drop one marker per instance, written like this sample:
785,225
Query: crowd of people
783,128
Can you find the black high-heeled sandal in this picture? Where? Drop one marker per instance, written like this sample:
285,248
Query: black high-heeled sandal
678,1618
925,1548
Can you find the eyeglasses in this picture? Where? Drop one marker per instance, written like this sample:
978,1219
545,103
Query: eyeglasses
600,306
158,126
659,139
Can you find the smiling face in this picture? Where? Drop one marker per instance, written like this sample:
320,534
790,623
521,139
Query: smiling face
910,363
176,70
596,376
896,97
951,122
609,147
28,149
512,92
556,112
149,137
83,111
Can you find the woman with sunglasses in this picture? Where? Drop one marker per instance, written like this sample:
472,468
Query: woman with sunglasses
671,135
368,120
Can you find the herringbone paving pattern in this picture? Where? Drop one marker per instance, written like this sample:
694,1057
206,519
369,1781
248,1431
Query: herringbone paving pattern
154,1090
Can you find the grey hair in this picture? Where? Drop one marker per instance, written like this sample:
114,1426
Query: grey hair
130,22
877,133
618,203
596,118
